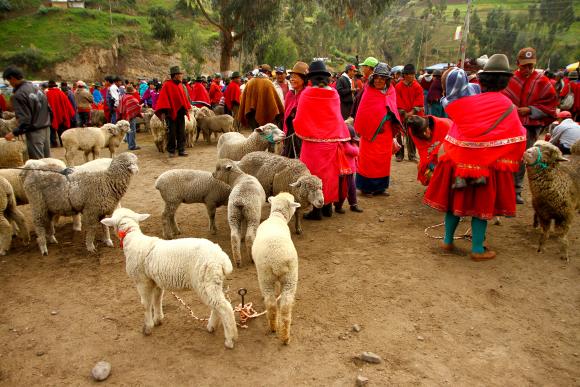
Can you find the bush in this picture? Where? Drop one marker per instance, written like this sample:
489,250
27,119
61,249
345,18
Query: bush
31,59
5,6
161,25
42,10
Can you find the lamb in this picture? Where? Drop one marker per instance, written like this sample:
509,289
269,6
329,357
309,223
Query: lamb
234,145
10,213
555,190
8,115
190,128
159,132
244,205
281,174
93,194
277,263
92,140
12,153
178,186
7,126
190,263
223,123
98,118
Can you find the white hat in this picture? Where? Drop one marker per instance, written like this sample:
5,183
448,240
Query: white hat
81,84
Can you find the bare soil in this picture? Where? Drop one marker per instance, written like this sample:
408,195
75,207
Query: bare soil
435,318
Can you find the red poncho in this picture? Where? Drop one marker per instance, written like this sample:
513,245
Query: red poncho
2,103
215,92
172,98
410,96
474,146
62,110
104,91
129,107
290,104
536,91
232,94
428,149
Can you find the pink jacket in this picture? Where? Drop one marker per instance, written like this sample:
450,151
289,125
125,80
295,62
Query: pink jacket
351,153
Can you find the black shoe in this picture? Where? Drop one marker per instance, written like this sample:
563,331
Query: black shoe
315,214
183,154
519,199
136,148
339,209
327,210
171,155
355,208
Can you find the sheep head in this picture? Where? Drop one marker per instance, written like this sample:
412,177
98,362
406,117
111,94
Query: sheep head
283,203
543,154
127,160
124,219
309,189
123,126
225,169
271,133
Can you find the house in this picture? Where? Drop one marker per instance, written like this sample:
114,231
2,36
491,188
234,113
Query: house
67,3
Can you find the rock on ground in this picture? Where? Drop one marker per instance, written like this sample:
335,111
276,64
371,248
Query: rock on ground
101,370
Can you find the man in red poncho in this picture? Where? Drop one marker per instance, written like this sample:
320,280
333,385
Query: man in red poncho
575,87
320,125
173,105
199,95
62,112
410,101
215,90
232,95
536,102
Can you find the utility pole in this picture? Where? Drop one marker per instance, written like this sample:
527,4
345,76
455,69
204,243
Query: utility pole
465,34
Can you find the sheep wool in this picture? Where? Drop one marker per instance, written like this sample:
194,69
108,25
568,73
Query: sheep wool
217,124
159,133
12,153
10,213
190,263
234,145
276,262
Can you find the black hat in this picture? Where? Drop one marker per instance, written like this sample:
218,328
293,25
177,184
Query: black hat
51,83
409,69
175,70
317,68
199,79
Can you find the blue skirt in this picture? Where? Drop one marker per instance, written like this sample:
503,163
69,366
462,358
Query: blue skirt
372,185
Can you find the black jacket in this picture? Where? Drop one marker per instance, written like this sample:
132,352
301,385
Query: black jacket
343,86
31,108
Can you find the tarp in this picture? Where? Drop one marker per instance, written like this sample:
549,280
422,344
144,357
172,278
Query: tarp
440,66
572,67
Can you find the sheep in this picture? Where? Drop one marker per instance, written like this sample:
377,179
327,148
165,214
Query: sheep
276,262
219,110
159,132
190,263
10,213
244,205
281,174
7,126
190,128
207,125
98,118
8,115
575,149
93,194
12,153
234,145
147,115
92,140
178,186
555,189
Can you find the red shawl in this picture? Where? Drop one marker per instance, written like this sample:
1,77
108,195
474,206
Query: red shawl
471,143
318,117
372,109
232,94
290,103
410,96
215,92
129,107
62,110
172,98
2,103
428,149
536,91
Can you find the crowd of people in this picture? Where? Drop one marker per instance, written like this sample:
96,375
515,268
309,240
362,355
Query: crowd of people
469,129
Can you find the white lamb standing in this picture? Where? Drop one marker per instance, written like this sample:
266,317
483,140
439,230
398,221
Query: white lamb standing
190,263
276,261
244,205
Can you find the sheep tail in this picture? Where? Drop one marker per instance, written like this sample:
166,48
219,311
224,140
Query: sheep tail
226,263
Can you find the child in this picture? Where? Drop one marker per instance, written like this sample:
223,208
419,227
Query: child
346,184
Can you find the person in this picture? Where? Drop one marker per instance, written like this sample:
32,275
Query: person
104,94
298,81
575,87
3,104
155,95
320,125
232,95
280,83
97,96
566,133
484,146
410,101
426,80
143,86
536,102
260,103
147,98
377,122
129,109
215,90
367,67
62,112
428,134
32,112
113,98
84,99
346,183
71,97
173,105
346,89
434,96
199,96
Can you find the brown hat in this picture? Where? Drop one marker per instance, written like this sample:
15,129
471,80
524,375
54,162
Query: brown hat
526,56
300,68
265,68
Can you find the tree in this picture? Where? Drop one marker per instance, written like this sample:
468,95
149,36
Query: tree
161,26
456,14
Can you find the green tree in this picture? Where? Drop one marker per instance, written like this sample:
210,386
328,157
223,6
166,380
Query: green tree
281,50
161,25
456,14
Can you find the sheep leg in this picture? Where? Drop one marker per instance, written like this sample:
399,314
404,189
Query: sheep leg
42,221
96,153
50,228
270,301
236,242
77,224
213,295
5,234
158,306
17,217
169,224
87,155
145,290
545,234
251,229
69,157
562,228
297,222
536,221
286,304
107,236
211,214
91,223
213,321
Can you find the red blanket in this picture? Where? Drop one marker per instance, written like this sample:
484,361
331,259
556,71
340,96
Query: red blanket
536,91
471,143
199,93
318,116
232,94
428,149
172,98
62,110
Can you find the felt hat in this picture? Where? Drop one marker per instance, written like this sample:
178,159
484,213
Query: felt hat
300,68
437,73
265,68
175,70
382,69
317,68
52,83
526,56
370,61
235,74
81,84
573,75
497,64
199,79
408,69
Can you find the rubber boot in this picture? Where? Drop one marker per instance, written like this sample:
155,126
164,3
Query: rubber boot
315,214
327,210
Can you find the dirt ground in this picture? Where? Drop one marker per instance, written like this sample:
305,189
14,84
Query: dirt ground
435,318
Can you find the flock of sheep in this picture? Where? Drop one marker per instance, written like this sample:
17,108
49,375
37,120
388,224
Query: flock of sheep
246,176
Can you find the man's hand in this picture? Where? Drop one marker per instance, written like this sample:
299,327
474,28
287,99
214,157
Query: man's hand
524,111
9,136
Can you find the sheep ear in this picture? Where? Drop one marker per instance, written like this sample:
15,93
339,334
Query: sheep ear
259,129
229,167
270,199
108,222
294,205
142,217
296,184
562,158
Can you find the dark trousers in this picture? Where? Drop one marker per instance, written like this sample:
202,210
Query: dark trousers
532,133
38,143
347,180
176,133
84,119
411,150
55,135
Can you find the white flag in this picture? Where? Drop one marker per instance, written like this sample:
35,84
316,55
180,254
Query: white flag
457,35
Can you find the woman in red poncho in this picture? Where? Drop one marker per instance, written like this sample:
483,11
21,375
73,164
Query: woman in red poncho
483,149
319,124
298,81
377,122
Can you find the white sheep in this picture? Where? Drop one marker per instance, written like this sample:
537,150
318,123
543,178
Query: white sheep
217,124
12,153
276,262
93,194
244,205
8,115
9,213
190,128
7,126
190,263
178,186
159,132
92,140
234,145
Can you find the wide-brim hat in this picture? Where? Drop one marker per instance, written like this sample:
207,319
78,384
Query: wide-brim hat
235,74
573,75
382,69
300,68
317,68
175,70
497,64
